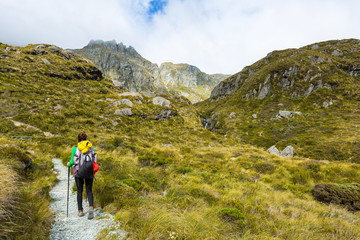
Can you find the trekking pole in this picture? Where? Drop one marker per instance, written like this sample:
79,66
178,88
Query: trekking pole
67,206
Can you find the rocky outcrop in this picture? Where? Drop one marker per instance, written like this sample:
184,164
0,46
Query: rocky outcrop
165,114
286,114
124,112
126,102
128,69
294,72
287,152
161,102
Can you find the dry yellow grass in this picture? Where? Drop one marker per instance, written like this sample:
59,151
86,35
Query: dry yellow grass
8,194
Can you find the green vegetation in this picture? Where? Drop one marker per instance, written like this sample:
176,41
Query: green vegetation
165,178
343,194
26,180
311,80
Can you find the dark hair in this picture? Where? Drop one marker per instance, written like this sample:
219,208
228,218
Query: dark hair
82,136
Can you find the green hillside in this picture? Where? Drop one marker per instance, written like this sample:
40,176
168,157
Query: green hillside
163,175
319,87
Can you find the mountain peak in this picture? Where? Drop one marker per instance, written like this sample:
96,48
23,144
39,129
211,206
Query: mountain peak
112,46
128,69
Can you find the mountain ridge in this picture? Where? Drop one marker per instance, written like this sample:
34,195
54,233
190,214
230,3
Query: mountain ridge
127,68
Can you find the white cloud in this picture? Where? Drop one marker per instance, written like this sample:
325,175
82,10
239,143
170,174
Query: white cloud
214,35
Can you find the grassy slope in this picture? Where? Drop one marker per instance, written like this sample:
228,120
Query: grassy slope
320,132
169,178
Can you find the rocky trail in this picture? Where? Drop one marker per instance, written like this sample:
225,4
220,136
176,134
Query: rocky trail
74,227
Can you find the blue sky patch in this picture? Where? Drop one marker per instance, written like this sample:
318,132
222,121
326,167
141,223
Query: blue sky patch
156,6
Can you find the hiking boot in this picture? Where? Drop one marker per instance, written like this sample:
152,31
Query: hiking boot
91,213
81,213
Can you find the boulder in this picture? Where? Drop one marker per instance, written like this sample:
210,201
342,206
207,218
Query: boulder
327,103
66,54
287,152
149,94
10,49
284,114
161,101
132,94
39,52
273,149
164,114
232,115
316,59
126,102
265,90
337,52
315,46
309,90
124,112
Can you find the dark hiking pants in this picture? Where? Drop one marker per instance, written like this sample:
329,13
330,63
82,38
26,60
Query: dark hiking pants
80,188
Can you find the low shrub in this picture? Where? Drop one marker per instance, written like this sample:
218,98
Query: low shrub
264,167
134,183
183,170
347,195
232,215
301,177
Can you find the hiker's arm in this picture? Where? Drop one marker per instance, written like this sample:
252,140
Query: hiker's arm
72,157
95,156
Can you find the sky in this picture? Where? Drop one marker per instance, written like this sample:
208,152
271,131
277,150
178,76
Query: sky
217,36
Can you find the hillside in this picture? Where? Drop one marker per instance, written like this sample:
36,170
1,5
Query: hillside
163,175
307,98
129,69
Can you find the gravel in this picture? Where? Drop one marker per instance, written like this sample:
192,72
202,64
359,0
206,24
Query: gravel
74,227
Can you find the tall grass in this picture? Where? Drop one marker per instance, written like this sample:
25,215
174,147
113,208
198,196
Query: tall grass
24,194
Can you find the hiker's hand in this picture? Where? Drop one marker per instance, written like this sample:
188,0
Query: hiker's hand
68,163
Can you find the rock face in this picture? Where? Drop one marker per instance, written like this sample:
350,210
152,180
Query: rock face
295,72
128,69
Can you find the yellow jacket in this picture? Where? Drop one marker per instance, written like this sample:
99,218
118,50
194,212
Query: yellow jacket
84,146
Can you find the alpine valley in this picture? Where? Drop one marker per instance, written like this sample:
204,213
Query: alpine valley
272,152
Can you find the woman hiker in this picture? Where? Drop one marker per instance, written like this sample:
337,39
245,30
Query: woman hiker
84,148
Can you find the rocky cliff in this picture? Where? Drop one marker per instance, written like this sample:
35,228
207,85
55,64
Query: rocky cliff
308,97
128,69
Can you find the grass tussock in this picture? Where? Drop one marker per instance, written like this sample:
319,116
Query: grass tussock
24,196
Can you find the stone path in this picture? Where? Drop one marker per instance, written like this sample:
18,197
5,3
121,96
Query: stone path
74,227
